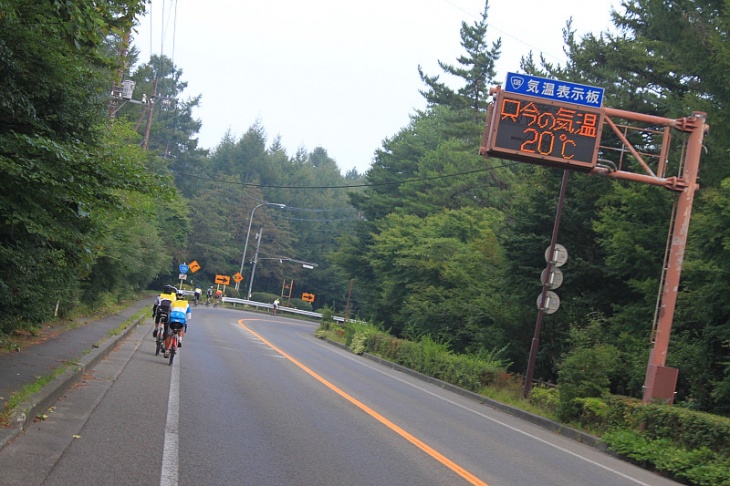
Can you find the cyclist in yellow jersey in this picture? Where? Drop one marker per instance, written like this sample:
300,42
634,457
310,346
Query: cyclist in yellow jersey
180,315
161,307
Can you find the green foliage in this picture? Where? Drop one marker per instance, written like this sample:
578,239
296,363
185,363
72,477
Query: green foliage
545,398
593,412
699,466
66,177
683,427
430,358
430,274
358,336
327,314
476,68
585,373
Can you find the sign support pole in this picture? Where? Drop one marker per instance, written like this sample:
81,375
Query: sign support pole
527,386
660,381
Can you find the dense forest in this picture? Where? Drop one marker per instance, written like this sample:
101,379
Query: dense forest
101,198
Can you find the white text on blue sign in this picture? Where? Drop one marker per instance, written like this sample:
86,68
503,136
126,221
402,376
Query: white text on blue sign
551,89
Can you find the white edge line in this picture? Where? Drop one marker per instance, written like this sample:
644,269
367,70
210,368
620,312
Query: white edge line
169,473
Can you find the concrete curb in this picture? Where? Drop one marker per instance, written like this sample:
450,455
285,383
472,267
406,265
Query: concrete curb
27,411
547,424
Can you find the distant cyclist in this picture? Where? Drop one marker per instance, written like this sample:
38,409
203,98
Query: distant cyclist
198,295
276,306
218,296
208,295
180,315
161,307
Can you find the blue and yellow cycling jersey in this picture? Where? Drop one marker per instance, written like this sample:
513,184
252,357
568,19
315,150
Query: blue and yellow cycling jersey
180,311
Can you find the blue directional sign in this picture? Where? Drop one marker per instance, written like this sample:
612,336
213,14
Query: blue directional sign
183,268
551,89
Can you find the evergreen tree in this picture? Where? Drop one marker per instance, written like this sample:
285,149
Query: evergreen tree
476,68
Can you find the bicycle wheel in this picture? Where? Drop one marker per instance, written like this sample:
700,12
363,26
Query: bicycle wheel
158,345
173,346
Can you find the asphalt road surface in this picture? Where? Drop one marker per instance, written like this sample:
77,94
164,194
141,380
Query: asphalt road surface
254,399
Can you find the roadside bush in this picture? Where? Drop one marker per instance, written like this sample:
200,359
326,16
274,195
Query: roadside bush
428,357
593,412
684,428
585,372
327,321
701,466
545,398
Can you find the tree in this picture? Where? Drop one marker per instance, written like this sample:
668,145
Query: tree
431,275
476,69
53,71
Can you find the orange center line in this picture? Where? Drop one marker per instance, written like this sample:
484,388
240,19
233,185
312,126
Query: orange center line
469,477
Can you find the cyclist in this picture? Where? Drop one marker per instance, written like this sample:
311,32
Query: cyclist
276,306
161,307
198,295
218,296
179,316
208,295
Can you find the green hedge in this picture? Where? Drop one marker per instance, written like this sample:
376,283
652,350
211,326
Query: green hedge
427,357
682,427
700,466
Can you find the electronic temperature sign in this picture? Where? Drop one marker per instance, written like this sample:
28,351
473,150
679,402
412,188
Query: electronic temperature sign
543,132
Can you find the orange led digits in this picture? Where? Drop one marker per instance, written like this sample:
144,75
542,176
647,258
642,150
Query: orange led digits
547,133
588,128
511,109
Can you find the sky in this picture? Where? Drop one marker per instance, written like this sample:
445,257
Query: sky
338,74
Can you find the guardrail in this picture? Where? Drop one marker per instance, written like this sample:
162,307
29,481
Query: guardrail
291,310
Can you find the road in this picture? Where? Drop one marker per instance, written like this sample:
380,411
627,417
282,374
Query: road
254,399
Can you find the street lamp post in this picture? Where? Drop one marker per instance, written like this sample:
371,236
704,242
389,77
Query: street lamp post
245,247
255,260
281,260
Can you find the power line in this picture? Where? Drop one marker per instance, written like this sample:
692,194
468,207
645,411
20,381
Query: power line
350,186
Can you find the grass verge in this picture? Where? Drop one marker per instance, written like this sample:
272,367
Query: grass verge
17,398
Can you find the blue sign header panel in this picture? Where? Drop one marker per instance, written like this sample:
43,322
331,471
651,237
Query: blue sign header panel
183,268
551,89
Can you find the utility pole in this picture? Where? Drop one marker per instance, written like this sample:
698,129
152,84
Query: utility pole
347,305
116,94
150,110
255,259
527,385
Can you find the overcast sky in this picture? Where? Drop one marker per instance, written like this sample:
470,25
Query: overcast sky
338,74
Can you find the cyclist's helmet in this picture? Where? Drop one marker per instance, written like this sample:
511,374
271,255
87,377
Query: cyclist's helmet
169,289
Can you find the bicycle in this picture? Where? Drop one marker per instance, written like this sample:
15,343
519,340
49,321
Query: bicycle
160,338
175,327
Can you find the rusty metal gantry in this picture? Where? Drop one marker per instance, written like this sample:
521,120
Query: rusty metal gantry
661,381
